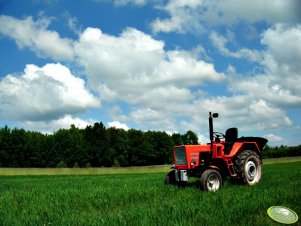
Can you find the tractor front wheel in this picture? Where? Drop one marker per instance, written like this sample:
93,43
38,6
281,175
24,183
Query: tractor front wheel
248,166
211,180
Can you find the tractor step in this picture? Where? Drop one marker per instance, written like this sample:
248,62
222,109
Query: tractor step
231,169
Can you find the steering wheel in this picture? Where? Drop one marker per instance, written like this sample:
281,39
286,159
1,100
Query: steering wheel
219,135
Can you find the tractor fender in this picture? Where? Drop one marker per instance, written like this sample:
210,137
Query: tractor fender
216,168
221,172
236,148
202,169
213,167
252,146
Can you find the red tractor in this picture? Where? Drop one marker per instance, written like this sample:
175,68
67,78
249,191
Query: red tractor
225,156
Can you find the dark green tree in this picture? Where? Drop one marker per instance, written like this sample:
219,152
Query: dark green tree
5,146
176,139
97,145
138,148
119,144
190,138
160,150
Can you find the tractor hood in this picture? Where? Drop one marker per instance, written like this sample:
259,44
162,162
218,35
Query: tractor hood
188,156
259,140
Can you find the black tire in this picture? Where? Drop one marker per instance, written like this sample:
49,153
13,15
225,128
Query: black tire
248,167
211,180
170,178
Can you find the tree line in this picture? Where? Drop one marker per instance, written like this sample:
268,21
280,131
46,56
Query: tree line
281,151
93,146
97,146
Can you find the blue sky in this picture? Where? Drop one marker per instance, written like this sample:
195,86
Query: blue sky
153,65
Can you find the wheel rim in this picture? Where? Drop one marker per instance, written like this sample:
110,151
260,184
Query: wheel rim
251,170
213,183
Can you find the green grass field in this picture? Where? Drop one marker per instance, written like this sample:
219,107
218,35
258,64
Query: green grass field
83,171
142,199
111,170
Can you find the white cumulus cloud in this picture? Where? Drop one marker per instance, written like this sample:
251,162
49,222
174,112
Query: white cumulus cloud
220,43
118,125
283,56
46,93
274,139
279,84
135,68
193,15
54,125
35,36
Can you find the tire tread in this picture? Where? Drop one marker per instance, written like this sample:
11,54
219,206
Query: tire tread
240,162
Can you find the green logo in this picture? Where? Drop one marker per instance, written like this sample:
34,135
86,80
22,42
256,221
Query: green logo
282,214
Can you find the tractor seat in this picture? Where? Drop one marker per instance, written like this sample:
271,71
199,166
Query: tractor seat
231,136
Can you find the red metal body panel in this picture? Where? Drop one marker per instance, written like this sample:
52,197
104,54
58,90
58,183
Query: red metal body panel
192,155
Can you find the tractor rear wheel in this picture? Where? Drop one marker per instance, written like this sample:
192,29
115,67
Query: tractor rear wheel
170,178
248,167
211,180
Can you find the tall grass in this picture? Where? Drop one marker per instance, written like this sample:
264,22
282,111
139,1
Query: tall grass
142,199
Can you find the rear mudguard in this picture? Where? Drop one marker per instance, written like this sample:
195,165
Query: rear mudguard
248,143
